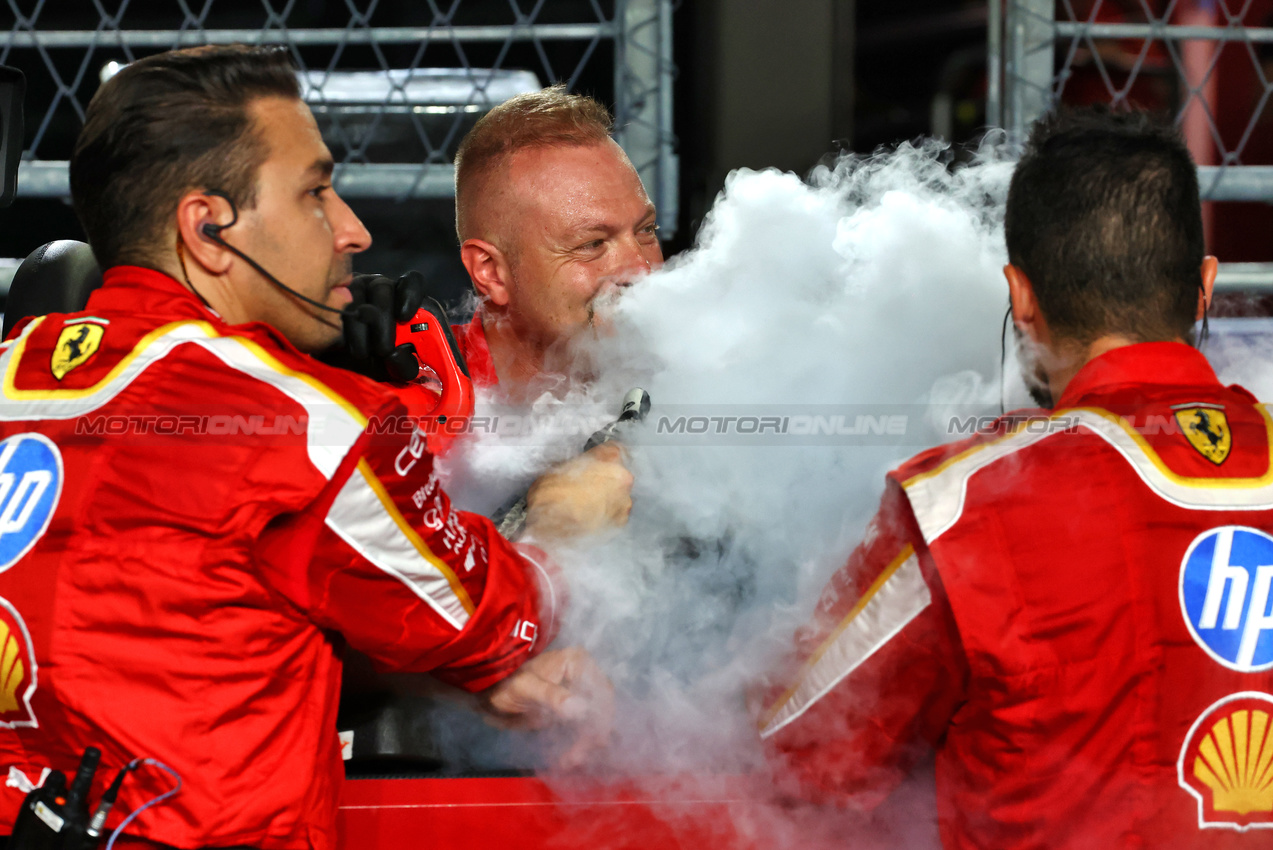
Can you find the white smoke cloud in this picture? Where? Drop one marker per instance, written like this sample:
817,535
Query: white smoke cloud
873,289
1242,353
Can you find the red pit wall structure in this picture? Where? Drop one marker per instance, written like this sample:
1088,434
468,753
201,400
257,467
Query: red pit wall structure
529,814
692,812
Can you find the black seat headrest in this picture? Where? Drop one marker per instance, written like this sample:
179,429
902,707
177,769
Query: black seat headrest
57,277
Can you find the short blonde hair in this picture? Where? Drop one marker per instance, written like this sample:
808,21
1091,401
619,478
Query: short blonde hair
548,118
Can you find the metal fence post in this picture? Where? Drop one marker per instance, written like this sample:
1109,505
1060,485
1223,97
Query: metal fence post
1030,42
1034,29
643,100
641,31
994,64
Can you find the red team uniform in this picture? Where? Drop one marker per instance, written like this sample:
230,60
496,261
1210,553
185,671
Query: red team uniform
471,339
1075,610
192,515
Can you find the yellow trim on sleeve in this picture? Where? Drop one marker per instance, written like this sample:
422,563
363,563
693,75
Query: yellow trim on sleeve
271,361
378,488
1141,443
19,349
1184,480
893,567
966,453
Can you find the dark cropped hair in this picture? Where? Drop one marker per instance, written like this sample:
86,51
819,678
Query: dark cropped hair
162,126
1104,218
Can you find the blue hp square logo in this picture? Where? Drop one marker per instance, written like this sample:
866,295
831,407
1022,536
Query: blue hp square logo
30,486
1225,596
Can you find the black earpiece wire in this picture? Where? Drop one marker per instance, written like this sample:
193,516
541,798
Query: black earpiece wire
181,258
1206,309
213,232
1003,359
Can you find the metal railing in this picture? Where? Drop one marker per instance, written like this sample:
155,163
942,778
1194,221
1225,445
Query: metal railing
640,30
1032,46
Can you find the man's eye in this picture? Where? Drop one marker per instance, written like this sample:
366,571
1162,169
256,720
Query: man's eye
318,191
594,245
650,229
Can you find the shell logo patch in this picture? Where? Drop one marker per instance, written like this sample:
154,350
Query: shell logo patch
1226,763
1226,593
17,669
75,345
1207,430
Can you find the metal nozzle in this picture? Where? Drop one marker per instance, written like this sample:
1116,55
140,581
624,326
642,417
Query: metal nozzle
636,404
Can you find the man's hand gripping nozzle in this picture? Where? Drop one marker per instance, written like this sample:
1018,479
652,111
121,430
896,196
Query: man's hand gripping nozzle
510,519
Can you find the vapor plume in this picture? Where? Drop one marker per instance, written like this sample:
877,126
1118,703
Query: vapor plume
861,307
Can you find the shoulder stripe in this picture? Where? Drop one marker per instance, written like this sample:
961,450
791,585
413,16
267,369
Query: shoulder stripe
149,348
365,517
937,497
333,426
895,599
548,592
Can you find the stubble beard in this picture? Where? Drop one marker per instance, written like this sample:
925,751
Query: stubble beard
340,269
323,328
1032,371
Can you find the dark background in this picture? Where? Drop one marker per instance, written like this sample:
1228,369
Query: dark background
761,83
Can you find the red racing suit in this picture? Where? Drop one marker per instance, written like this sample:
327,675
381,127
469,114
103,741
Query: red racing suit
194,517
471,339
1074,610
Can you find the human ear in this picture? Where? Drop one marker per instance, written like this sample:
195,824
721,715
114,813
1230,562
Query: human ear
1210,267
488,269
1025,305
198,215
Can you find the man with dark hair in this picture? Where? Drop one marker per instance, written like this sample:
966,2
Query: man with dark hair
550,214
195,515
1106,255
1072,609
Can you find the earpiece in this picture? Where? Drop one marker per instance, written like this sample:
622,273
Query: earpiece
213,230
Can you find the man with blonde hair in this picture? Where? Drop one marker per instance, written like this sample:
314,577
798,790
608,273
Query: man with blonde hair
550,214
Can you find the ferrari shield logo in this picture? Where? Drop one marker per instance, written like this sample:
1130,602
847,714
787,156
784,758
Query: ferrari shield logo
75,346
1207,430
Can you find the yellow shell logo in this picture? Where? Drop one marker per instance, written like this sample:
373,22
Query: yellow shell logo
1227,762
1235,760
12,670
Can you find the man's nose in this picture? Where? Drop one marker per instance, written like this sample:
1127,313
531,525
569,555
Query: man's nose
637,259
350,235
654,255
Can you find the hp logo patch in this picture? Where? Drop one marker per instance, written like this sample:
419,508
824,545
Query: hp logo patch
1225,596
30,486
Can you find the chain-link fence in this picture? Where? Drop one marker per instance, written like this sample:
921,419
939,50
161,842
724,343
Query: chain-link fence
394,86
1164,55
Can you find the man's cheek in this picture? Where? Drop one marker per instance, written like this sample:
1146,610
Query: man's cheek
601,309
591,310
